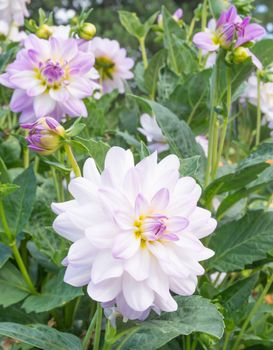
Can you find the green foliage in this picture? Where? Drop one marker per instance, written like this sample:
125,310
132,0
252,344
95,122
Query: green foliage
239,243
195,314
40,336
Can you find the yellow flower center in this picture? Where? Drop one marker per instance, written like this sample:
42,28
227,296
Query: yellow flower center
106,67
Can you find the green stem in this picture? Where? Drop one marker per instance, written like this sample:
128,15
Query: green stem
143,52
212,125
203,26
259,113
88,334
194,343
98,328
226,341
15,250
72,160
26,157
226,119
191,28
252,313
188,342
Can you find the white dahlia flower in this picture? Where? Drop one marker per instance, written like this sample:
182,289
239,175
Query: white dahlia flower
112,63
136,233
13,11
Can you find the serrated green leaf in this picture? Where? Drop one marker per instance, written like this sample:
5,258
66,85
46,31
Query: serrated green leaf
13,287
239,243
18,205
55,293
194,314
40,336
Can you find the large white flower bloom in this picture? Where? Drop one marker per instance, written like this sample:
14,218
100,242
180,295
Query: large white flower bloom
13,11
136,233
112,63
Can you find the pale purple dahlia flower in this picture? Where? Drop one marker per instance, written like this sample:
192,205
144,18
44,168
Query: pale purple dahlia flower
230,31
136,233
44,135
113,65
50,77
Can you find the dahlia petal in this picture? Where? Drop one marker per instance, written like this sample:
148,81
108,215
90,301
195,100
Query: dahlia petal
59,208
166,304
101,235
160,199
77,276
158,281
82,190
104,291
137,294
138,266
43,105
60,95
90,172
66,228
105,266
125,245
177,224
74,107
81,253
25,79
141,205
204,41
183,286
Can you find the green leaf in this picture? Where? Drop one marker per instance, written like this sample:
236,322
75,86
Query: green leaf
194,314
18,205
40,336
151,74
182,59
264,51
4,175
95,149
190,166
234,181
12,285
55,293
5,254
7,189
217,7
132,24
239,243
237,294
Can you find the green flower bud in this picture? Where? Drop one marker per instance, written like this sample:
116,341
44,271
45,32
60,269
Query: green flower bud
44,31
87,31
240,54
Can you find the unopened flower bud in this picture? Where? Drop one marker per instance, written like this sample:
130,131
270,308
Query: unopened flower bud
44,31
240,54
87,31
45,135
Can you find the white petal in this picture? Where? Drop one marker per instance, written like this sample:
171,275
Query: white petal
137,294
104,291
81,253
105,267
43,105
66,228
101,235
139,265
165,304
183,286
90,172
125,245
77,276
83,190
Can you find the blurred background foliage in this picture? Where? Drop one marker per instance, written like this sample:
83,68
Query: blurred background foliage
105,14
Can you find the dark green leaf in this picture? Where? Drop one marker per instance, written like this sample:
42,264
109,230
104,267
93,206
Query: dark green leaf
7,189
18,206
242,242
264,51
194,314
5,254
13,288
40,336
152,72
55,293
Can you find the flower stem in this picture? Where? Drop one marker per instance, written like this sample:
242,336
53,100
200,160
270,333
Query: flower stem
226,341
143,52
188,342
88,334
98,327
212,125
72,160
259,113
226,119
15,250
252,312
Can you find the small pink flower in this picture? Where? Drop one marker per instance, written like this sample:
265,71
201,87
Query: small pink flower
136,233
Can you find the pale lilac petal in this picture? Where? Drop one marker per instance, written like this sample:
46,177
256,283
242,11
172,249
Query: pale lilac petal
105,267
125,245
104,291
204,41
